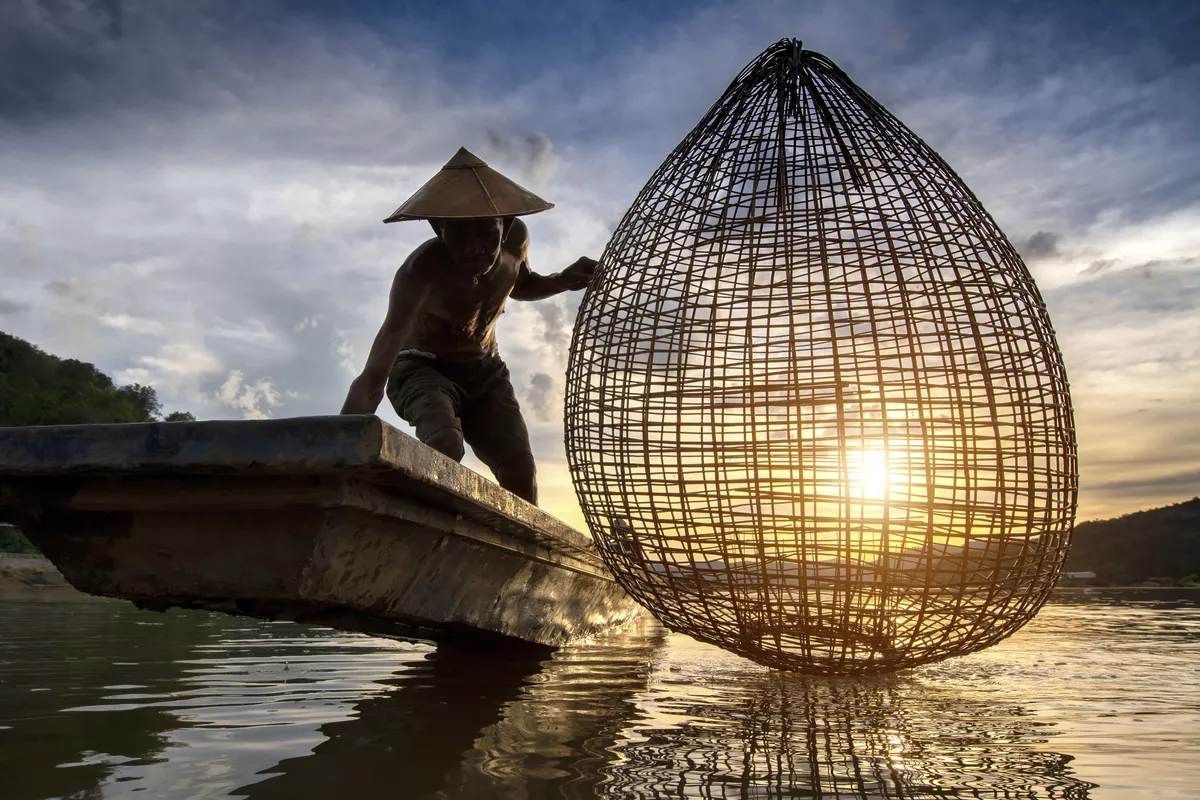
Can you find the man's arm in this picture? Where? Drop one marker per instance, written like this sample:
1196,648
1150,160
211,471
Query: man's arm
407,295
530,285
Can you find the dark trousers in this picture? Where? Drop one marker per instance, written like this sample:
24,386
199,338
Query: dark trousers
475,398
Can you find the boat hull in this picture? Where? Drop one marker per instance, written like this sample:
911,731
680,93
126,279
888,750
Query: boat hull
340,521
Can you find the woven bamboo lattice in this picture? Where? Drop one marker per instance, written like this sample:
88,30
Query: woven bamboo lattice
816,413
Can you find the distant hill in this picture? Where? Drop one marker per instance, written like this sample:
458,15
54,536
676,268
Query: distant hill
37,388
1159,543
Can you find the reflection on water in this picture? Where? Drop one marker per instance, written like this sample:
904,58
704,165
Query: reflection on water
100,700
411,736
479,724
781,736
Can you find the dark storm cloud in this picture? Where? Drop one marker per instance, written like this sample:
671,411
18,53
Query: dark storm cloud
85,56
223,77
1153,289
540,396
556,327
58,288
12,307
50,52
1042,244
1098,266
1181,485
67,290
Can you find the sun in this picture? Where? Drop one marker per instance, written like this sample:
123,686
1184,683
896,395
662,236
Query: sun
871,477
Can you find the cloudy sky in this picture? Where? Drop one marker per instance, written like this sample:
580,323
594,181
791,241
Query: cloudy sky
192,190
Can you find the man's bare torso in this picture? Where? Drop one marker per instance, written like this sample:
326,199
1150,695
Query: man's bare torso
457,321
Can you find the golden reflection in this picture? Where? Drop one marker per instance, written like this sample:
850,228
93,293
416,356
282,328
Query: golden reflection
781,736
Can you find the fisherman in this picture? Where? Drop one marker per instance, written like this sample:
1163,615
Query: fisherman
436,349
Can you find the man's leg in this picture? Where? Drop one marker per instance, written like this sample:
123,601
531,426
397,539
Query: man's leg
447,440
519,476
495,429
428,401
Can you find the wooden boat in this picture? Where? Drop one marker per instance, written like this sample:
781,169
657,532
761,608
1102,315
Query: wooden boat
341,521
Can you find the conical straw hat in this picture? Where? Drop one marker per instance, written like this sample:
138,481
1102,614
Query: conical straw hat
467,188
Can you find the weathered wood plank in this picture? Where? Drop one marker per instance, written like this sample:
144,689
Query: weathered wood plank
339,520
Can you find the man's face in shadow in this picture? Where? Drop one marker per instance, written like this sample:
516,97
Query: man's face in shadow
473,244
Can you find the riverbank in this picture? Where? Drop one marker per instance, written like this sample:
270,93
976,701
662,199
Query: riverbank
1072,587
30,572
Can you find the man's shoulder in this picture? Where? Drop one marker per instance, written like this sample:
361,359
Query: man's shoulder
519,229
429,253
517,240
421,267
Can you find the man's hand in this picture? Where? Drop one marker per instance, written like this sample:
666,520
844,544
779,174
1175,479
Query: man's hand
364,396
578,275
531,286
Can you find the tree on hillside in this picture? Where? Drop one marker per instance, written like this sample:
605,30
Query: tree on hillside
13,541
1158,543
37,388
142,398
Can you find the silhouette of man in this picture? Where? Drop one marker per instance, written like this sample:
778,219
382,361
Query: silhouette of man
436,350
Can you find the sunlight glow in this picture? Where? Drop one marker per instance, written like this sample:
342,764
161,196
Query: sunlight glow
871,477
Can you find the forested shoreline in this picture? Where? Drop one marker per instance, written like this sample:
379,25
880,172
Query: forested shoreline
37,388
1159,544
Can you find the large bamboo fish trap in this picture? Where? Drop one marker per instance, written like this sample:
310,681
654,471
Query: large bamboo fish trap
816,413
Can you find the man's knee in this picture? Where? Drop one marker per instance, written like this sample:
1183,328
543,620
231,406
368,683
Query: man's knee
448,441
519,476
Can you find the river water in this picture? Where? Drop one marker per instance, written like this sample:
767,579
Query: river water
1098,697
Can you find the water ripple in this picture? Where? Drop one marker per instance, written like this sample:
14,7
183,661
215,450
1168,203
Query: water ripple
1096,698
